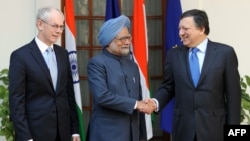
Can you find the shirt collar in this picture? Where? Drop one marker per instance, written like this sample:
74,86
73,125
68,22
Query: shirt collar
202,46
42,46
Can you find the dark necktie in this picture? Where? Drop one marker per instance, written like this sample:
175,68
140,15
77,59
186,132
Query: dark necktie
194,66
52,65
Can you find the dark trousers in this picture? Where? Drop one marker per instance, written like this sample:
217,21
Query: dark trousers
195,138
57,136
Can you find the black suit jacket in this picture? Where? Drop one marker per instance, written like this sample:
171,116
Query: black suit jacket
37,110
214,102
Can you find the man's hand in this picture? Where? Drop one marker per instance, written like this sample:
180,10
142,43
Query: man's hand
147,106
76,138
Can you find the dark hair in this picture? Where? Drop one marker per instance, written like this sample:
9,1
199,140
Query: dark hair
200,18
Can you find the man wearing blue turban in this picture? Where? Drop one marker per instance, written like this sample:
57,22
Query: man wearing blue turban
111,28
114,82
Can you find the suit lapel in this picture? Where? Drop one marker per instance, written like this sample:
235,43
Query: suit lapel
183,56
208,60
36,53
59,66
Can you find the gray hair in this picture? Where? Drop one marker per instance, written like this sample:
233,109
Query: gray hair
44,13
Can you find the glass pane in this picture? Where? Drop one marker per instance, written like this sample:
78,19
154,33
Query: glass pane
155,62
153,7
84,93
97,52
82,32
154,85
96,28
99,7
154,32
81,7
83,58
127,7
86,117
157,131
156,126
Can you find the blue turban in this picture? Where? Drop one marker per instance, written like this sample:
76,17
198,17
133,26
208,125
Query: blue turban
111,28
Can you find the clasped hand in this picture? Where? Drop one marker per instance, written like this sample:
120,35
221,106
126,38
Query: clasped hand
146,106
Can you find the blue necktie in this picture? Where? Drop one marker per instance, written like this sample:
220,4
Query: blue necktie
194,66
52,65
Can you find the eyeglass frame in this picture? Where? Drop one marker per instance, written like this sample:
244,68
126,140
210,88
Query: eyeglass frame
55,26
125,38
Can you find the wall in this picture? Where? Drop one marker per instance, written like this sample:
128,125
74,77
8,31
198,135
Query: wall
18,24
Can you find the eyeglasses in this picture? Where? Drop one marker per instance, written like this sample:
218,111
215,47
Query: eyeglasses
125,38
55,26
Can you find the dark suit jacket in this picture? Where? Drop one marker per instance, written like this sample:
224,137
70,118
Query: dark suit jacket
115,84
36,108
216,100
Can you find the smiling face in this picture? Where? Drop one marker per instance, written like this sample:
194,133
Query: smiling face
51,29
190,34
120,44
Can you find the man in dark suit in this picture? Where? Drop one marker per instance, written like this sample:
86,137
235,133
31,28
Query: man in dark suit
114,81
40,109
202,106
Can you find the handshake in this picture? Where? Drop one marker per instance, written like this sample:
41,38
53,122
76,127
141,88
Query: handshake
146,106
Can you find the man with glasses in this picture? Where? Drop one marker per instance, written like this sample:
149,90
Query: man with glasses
42,100
114,82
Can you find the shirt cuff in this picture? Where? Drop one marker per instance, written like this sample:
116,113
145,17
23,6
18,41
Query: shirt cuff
135,105
157,104
75,135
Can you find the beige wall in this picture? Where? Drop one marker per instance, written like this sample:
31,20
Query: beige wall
17,26
229,24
